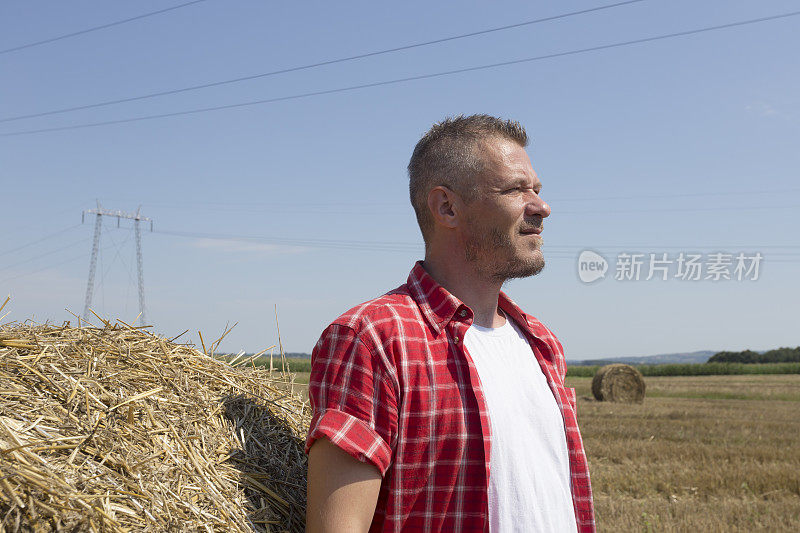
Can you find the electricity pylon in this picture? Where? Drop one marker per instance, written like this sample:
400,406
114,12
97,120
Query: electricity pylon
136,217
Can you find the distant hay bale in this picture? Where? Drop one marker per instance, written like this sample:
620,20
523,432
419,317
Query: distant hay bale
618,383
114,429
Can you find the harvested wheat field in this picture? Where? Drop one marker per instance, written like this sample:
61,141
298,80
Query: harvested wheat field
112,429
701,453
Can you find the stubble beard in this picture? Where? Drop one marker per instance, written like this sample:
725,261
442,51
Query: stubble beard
493,254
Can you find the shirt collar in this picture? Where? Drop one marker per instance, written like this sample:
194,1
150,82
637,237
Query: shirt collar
438,306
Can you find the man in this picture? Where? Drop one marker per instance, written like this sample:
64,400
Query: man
441,406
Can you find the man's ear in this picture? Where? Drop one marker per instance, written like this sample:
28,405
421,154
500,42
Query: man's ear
443,205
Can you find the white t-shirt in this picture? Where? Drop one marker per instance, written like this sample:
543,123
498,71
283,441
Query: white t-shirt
529,480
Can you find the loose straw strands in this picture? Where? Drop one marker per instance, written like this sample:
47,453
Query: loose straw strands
115,429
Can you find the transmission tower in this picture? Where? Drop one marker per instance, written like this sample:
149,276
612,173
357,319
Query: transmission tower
137,218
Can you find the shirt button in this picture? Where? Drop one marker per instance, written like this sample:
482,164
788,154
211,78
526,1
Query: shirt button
463,313
456,339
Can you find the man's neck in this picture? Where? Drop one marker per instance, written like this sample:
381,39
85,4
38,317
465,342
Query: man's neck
463,282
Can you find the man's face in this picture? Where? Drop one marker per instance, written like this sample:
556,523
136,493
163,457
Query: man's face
504,220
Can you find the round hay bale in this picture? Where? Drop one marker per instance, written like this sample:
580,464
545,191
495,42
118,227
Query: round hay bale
618,383
113,429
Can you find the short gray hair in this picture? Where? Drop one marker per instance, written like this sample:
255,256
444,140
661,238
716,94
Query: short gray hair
450,154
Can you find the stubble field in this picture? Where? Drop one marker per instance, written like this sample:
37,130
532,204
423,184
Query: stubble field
702,453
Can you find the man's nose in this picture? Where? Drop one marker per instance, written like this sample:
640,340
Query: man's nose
537,206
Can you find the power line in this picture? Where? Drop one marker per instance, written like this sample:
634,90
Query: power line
677,209
95,28
415,246
678,195
659,247
406,79
70,260
240,207
118,246
43,223
42,269
315,65
557,212
70,245
50,236
310,243
105,267
395,246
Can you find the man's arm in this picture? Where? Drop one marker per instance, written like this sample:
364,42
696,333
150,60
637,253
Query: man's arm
342,491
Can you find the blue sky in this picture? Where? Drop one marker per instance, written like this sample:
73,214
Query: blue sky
683,144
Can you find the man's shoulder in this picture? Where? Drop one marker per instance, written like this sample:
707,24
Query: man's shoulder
389,309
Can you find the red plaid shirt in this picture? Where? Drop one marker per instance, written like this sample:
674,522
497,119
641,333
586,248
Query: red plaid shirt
391,384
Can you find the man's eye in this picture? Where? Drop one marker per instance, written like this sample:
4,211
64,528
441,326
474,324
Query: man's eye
520,188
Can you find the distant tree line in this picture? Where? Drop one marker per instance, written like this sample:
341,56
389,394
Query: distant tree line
696,369
779,355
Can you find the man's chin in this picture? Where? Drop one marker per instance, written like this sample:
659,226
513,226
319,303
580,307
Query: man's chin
531,270
520,269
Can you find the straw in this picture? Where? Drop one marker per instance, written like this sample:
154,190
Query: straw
116,429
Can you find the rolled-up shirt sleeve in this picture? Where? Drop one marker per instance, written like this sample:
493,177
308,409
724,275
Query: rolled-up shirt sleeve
353,401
